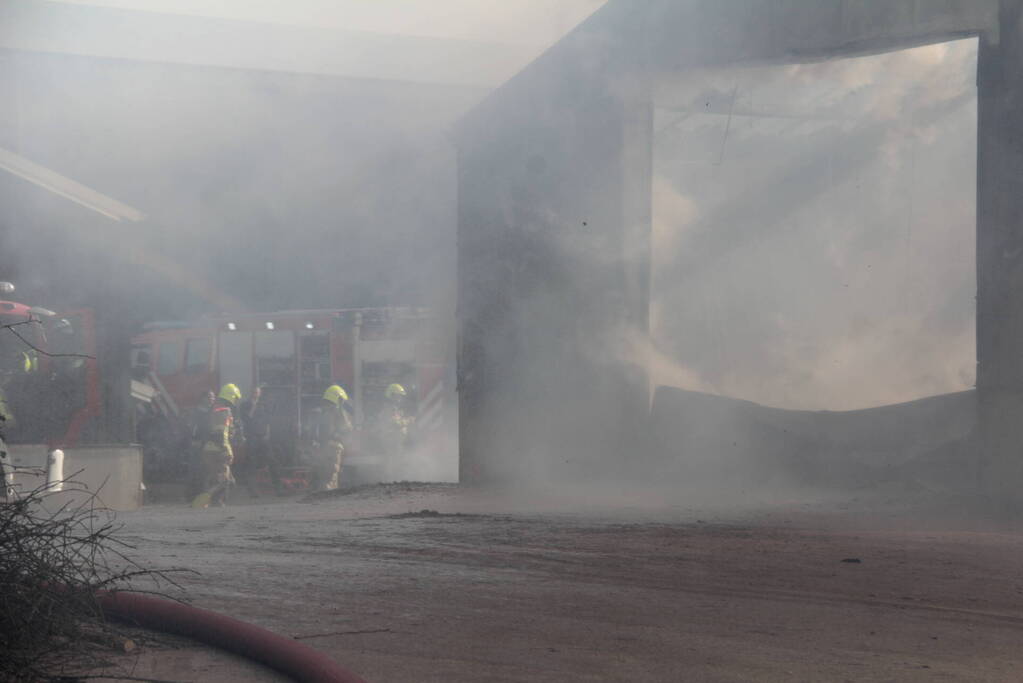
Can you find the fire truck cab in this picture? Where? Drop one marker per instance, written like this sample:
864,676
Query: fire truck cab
48,373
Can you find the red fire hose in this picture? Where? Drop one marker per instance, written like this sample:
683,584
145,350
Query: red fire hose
288,656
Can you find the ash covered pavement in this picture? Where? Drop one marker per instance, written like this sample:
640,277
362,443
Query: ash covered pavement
421,582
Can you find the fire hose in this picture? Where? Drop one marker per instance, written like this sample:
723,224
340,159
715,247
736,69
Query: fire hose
286,655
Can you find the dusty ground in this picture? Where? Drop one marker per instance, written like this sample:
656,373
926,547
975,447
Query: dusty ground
493,590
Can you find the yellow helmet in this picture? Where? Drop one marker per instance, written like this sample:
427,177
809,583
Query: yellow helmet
335,394
395,391
230,393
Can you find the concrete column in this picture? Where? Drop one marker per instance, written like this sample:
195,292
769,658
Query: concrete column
1000,255
554,240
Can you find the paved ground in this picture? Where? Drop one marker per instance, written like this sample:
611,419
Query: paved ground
481,588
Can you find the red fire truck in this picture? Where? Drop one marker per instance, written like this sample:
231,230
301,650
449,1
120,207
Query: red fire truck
49,372
294,356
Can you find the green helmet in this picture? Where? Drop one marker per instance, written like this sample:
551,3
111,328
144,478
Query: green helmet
230,393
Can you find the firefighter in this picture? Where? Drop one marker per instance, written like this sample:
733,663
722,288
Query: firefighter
16,367
6,416
201,417
12,379
216,455
197,427
392,427
254,416
6,474
331,427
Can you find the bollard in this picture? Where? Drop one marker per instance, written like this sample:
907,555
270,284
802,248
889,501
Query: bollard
55,470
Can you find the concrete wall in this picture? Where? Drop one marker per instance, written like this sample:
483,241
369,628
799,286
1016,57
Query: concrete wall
553,247
1000,252
687,33
112,472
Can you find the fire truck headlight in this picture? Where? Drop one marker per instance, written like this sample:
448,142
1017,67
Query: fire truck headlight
232,327
269,325
309,326
6,287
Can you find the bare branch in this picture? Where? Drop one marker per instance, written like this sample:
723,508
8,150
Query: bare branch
30,321
55,555
35,348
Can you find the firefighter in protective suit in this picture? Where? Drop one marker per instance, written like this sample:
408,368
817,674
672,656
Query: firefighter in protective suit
331,427
392,428
6,474
6,416
216,455
17,366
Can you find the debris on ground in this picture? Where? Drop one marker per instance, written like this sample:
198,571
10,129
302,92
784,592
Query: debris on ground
58,550
398,488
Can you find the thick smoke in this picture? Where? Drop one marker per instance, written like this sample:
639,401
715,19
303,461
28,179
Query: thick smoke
812,224
814,229
301,181
283,155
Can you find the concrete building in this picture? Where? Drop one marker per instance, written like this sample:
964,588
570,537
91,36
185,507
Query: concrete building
161,166
554,215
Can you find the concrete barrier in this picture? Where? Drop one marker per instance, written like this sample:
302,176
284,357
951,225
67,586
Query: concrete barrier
111,471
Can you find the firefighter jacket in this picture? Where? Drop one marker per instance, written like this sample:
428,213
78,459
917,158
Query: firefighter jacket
391,429
200,420
6,416
254,420
393,419
221,425
331,423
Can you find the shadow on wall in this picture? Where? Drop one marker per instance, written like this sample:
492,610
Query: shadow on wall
702,439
